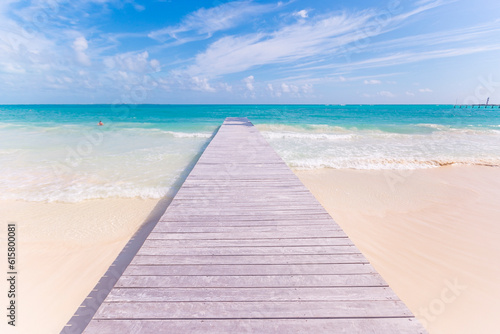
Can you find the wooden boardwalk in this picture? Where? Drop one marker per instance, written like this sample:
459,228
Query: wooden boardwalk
245,247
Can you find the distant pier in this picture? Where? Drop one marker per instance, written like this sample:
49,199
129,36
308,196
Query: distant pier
477,106
485,105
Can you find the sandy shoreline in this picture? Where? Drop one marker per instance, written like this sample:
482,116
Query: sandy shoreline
432,234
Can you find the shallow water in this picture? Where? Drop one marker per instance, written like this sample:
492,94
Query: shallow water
58,153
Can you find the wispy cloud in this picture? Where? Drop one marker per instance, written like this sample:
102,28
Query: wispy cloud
46,40
302,13
80,45
484,33
412,57
250,86
383,93
248,48
315,40
297,41
249,81
421,6
289,89
417,48
386,93
203,23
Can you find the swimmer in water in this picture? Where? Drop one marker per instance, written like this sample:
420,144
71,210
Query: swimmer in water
100,123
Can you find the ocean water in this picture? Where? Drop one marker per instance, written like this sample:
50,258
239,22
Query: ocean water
58,153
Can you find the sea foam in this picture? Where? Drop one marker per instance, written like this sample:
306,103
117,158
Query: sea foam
58,153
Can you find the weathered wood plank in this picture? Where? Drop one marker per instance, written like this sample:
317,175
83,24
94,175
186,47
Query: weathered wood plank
250,223
257,198
245,206
248,259
290,326
247,269
167,228
245,247
249,310
311,250
270,242
221,213
265,203
253,235
280,281
254,294
227,218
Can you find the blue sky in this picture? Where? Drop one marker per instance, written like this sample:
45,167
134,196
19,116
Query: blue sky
173,51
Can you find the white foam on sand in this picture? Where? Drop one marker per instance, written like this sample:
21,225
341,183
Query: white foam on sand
372,149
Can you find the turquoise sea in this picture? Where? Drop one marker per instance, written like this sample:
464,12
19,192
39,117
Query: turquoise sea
58,153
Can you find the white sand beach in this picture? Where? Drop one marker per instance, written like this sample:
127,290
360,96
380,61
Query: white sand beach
431,233
63,250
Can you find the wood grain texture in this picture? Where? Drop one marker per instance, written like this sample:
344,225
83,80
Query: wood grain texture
231,326
362,280
245,248
254,294
249,269
252,310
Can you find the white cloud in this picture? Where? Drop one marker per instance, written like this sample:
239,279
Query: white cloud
285,88
316,40
386,93
202,84
408,57
297,41
53,54
299,46
249,83
225,86
275,92
133,62
307,88
155,64
474,33
302,13
445,44
80,45
139,8
13,68
294,90
372,82
203,23
425,2
123,74
422,6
